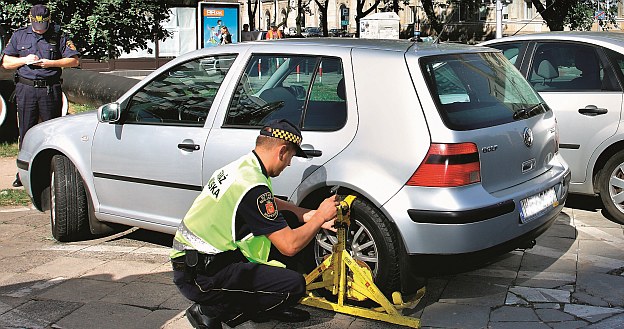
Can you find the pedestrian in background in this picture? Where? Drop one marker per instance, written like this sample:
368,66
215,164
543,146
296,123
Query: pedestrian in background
38,52
246,35
274,33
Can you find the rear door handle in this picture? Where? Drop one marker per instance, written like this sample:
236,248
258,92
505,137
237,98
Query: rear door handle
188,147
592,110
313,153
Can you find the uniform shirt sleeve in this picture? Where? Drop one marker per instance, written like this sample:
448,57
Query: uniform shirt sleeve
67,47
11,46
259,211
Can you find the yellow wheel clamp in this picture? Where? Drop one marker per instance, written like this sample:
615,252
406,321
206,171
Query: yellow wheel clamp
354,284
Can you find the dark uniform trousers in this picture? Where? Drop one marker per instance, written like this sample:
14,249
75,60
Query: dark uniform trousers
240,290
35,102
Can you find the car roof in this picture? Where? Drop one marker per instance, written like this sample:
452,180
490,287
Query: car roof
613,38
398,45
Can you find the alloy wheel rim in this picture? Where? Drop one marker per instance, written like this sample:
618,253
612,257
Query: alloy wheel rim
360,245
616,187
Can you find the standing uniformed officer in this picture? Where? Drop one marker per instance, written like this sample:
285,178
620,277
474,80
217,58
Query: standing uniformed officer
221,249
38,52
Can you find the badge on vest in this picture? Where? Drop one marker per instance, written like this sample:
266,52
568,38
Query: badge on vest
266,206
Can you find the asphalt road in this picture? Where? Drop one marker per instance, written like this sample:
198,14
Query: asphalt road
572,278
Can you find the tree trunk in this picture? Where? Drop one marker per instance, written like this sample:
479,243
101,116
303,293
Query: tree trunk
555,12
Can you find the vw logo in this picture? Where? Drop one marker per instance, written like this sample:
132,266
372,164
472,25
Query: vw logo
527,136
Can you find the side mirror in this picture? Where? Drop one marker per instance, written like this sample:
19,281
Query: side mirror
110,113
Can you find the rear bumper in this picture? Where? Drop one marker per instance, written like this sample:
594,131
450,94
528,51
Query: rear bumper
469,219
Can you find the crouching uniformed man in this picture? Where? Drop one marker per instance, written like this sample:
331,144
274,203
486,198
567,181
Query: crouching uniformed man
221,249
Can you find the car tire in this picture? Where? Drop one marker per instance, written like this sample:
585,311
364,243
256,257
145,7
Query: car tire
367,224
69,207
610,190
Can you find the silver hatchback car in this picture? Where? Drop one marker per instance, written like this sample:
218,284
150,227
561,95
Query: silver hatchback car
448,148
581,77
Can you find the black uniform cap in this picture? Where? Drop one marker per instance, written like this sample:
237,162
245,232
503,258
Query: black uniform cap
39,17
286,130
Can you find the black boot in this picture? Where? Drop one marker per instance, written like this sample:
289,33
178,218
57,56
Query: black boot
288,314
199,319
17,182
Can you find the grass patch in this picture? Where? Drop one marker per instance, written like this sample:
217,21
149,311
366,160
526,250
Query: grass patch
11,197
8,150
79,108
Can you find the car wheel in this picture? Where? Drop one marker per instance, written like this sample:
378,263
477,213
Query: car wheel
370,239
612,187
69,210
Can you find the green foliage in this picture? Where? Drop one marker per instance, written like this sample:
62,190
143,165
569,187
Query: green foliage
581,16
99,29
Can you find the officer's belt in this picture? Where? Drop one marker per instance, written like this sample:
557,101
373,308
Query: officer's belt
39,83
210,264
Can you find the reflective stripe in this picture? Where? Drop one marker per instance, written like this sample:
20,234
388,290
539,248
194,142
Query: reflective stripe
196,242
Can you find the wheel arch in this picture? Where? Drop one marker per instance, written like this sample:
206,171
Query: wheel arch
602,159
40,178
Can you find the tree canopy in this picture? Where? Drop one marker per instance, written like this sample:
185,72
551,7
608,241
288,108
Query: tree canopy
100,29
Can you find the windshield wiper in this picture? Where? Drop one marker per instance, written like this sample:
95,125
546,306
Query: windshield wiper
525,113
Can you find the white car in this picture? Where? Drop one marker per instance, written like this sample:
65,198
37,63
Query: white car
580,75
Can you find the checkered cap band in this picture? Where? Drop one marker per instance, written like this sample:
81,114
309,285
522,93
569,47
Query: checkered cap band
285,135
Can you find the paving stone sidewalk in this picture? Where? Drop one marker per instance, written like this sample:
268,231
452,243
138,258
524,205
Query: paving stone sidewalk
572,278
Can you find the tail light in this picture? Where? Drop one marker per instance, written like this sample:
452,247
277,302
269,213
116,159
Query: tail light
448,165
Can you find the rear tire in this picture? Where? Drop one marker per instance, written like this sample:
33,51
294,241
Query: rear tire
373,238
69,206
612,187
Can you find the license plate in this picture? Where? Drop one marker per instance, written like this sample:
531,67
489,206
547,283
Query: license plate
535,205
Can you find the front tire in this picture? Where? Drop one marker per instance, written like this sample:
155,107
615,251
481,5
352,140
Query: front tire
612,187
371,239
69,209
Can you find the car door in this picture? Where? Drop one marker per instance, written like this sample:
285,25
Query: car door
577,81
149,167
308,90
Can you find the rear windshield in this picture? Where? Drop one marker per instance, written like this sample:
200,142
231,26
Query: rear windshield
479,90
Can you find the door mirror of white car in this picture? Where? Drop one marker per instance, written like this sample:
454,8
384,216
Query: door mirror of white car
109,112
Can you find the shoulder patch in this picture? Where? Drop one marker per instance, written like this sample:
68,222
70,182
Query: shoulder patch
266,206
70,45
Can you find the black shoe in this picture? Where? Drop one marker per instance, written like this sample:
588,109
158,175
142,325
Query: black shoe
289,314
198,319
17,182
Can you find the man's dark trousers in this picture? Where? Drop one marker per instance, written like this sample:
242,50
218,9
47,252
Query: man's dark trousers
33,103
241,290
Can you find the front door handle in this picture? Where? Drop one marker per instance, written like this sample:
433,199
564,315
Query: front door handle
592,110
188,147
313,153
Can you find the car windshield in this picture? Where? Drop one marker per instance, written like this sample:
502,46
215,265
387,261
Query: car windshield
479,90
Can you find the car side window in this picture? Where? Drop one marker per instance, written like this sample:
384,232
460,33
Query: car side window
565,67
302,89
182,95
510,51
327,107
618,60
272,86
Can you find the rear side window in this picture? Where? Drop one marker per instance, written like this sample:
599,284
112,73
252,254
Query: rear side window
478,90
565,67
307,90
